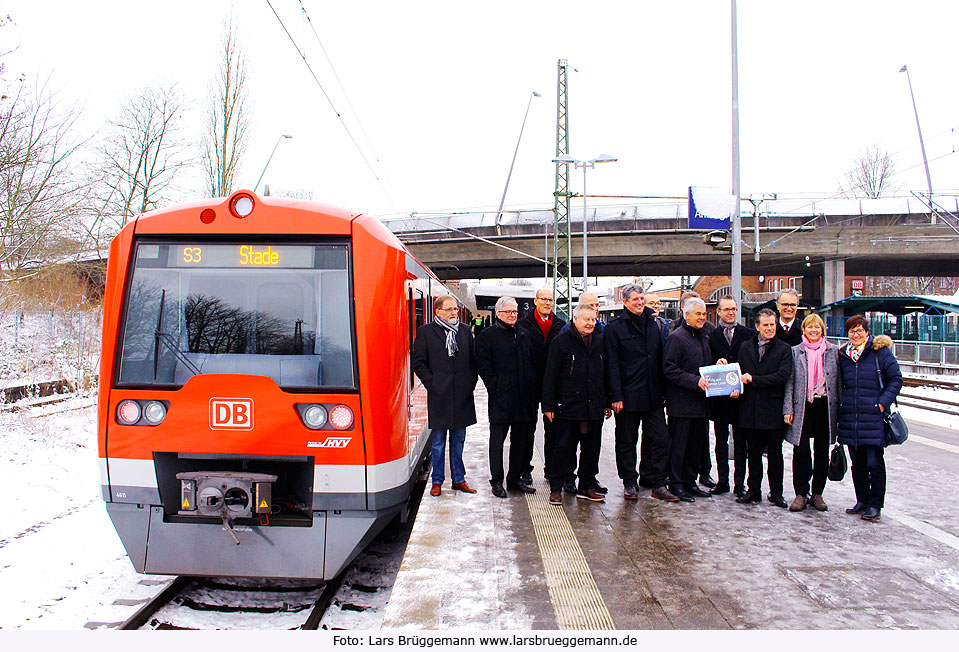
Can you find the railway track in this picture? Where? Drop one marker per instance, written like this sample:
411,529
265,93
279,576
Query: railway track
943,406
236,603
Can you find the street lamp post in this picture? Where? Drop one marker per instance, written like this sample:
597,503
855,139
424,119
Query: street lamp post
499,213
922,146
602,158
257,184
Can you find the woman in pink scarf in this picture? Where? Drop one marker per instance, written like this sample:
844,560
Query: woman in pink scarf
811,411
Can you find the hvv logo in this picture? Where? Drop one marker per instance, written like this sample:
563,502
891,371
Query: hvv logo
231,413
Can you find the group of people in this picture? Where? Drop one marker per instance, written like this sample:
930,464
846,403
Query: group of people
640,368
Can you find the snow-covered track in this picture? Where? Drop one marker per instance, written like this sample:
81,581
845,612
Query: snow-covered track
236,603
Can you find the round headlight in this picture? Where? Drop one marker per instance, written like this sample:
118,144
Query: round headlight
154,412
128,412
341,417
242,205
315,416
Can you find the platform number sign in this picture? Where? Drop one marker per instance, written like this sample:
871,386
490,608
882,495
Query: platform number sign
231,413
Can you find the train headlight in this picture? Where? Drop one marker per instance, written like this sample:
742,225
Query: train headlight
315,417
154,412
341,417
241,205
128,412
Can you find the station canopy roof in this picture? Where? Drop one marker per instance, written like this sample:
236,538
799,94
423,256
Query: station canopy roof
925,304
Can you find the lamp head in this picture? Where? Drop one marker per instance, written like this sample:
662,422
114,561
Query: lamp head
604,158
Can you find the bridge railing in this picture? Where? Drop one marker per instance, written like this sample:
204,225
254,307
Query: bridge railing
926,354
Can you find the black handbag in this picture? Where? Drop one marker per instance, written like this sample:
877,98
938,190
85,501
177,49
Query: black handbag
837,463
894,429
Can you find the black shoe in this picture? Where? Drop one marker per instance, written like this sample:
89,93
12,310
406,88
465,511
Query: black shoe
630,492
497,489
871,514
683,496
521,487
706,481
858,508
695,490
720,489
740,491
526,478
749,497
569,487
777,500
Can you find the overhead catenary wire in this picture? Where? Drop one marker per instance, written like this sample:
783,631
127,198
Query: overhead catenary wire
339,82
339,116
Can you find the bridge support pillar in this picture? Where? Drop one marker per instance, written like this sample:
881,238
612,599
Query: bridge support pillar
833,281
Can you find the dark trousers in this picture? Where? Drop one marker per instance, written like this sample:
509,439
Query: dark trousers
654,449
815,426
721,431
685,450
562,465
770,441
706,464
868,474
520,450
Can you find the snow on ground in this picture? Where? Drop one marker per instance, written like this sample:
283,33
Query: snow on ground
61,562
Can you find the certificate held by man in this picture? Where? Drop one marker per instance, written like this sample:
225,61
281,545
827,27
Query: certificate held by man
723,379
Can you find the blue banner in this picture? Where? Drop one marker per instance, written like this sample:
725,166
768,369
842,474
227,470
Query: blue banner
710,208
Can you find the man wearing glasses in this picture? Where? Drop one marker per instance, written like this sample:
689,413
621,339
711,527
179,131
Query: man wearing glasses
724,343
444,359
504,361
542,326
788,329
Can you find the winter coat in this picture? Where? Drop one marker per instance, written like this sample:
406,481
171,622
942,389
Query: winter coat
860,421
687,349
634,361
504,360
724,409
760,404
449,381
795,400
540,345
574,383
794,336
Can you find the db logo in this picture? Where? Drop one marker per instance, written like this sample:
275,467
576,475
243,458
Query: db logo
231,413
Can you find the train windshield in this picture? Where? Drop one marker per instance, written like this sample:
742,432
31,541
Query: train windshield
268,309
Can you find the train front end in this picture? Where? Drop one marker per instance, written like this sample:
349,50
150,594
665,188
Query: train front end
231,426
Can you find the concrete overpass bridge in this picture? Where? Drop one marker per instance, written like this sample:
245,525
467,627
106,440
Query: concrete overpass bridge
822,243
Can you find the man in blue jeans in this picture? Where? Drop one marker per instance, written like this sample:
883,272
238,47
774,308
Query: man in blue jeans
444,359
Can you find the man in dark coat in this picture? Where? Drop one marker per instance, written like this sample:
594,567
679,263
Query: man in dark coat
687,349
787,328
504,362
444,359
705,464
633,343
724,343
542,326
766,363
575,399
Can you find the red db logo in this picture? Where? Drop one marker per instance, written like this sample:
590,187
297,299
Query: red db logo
231,413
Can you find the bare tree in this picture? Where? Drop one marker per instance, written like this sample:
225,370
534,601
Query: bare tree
137,161
38,193
228,121
870,175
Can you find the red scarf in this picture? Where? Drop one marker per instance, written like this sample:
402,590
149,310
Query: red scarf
544,324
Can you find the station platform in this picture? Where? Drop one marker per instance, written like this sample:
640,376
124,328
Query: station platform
477,562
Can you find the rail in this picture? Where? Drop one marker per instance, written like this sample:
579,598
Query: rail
931,354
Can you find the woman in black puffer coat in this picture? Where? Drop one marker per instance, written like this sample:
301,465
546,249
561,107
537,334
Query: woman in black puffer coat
871,380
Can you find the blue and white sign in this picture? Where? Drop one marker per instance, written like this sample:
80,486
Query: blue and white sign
710,208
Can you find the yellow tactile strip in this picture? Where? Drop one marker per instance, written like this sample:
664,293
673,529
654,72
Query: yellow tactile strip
576,599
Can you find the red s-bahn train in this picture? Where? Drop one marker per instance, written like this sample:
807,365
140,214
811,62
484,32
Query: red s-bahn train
257,414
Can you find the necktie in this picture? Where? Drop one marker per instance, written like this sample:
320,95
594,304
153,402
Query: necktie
729,335
786,328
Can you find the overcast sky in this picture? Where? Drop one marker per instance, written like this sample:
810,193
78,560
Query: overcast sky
440,89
